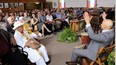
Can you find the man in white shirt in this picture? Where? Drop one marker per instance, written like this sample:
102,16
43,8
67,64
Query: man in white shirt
50,20
49,17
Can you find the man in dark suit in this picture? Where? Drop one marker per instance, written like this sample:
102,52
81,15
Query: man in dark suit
97,40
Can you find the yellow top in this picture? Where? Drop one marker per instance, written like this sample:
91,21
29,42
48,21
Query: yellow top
26,27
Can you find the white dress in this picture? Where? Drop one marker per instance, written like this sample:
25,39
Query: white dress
33,55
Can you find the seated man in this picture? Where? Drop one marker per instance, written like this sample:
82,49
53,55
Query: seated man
36,52
49,21
97,40
60,20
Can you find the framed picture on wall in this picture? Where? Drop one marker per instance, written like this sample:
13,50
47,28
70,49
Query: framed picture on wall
20,4
1,5
11,5
55,4
6,5
16,4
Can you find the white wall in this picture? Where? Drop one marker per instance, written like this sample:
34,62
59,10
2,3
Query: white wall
83,3
105,3
76,3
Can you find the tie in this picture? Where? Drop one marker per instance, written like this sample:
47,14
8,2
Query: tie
39,53
27,37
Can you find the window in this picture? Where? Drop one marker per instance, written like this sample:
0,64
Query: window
91,3
16,4
61,3
11,5
1,5
6,5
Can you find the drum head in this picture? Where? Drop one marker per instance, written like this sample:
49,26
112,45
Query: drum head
84,34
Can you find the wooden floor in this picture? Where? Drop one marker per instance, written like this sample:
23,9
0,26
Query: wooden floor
60,52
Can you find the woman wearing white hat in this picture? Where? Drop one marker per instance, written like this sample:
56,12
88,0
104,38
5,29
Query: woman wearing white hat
36,53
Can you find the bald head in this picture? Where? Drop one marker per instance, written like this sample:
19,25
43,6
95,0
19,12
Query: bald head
108,23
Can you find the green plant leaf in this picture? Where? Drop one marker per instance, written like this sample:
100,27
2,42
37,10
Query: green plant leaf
67,35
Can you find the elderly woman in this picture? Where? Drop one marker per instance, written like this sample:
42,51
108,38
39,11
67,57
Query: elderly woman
36,52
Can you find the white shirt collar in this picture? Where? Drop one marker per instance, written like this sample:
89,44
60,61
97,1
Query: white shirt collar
105,30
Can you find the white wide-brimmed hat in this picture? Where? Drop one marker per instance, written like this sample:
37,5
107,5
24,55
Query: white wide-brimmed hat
17,24
21,18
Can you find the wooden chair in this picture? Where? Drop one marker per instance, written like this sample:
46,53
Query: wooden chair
101,56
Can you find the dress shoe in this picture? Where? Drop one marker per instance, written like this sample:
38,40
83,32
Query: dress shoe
48,62
71,63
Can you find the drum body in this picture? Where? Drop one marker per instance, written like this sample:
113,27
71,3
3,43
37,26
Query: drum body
85,38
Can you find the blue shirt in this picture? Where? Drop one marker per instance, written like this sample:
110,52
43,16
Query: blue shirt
59,16
42,18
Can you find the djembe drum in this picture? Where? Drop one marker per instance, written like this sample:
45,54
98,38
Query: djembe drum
75,25
85,38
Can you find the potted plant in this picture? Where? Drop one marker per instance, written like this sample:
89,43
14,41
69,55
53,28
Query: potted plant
111,58
67,35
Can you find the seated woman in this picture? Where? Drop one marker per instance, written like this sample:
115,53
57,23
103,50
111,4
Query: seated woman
36,52
38,25
29,28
